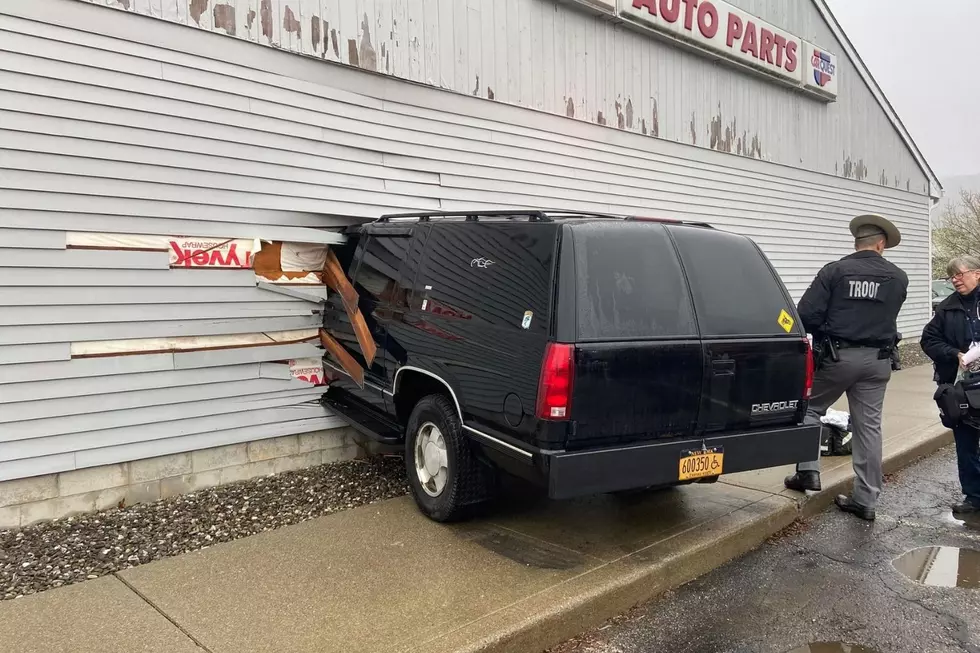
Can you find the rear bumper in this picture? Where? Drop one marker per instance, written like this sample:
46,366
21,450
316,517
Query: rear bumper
582,473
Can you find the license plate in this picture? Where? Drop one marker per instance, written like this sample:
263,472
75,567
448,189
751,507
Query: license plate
701,463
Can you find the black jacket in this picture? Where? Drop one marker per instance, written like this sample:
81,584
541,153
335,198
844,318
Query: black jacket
856,298
948,335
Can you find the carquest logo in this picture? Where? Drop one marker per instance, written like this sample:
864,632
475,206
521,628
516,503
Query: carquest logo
775,407
823,68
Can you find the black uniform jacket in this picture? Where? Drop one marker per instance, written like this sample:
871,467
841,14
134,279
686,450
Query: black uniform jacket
948,334
856,299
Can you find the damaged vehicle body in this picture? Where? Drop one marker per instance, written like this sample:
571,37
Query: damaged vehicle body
586,353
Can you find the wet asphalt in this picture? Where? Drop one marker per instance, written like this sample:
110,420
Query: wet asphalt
832,579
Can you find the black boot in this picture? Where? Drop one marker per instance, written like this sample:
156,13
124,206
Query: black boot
803,481
966,508
847,504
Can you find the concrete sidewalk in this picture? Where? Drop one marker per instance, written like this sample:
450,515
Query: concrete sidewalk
384,578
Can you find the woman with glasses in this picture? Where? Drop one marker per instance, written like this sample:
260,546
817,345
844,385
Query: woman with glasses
954,330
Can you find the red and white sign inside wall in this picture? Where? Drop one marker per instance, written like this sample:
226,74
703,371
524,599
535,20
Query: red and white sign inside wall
723,29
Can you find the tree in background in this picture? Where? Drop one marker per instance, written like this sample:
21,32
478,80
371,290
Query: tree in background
958,232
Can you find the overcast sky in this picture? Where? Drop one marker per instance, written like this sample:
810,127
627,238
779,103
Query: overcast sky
924,56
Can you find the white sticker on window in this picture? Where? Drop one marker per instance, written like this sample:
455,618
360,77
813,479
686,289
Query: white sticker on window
526,322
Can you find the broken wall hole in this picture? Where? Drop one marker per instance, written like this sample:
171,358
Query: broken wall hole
941,566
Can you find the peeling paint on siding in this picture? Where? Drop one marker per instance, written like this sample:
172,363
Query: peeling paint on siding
476,90
723,141
265,17
855,169
367,56
601,119
448,46
224,18
352,57
197,9
315,34
291,24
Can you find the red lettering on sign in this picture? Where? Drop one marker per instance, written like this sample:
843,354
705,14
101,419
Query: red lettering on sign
689,12
670,10
708,28
791,60
650,5
210,257
766,46
780,49
750,44
734,29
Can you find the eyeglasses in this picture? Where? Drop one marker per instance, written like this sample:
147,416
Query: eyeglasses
959,275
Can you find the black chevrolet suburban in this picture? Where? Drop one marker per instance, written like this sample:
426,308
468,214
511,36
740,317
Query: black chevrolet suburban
587,353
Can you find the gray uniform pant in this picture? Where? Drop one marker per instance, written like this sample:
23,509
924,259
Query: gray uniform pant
861,375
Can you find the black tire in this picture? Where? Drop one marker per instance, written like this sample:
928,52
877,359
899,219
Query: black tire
469,481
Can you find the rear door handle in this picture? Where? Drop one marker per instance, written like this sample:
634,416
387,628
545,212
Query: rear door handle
723,367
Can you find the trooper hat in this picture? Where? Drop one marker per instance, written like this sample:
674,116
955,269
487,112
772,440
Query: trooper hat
891,233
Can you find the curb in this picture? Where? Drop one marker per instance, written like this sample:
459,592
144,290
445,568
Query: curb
595,599
598,596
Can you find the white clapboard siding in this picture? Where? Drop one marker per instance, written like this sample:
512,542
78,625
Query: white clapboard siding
106,296
556,57
112,122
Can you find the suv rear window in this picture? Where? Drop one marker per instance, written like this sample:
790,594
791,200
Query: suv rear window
629,283
735,291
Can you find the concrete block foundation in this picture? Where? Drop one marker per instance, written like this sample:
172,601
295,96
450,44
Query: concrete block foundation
30,500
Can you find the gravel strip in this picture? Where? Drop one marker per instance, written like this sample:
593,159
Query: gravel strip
911,354
73,549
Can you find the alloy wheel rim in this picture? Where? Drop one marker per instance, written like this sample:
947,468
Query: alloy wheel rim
431,459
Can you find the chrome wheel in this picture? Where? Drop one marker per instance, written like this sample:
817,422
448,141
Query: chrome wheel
431,460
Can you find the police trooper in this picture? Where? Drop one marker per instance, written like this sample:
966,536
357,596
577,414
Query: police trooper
851,306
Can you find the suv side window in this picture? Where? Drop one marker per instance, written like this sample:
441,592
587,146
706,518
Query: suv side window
629,283
495,273
377,272
735,291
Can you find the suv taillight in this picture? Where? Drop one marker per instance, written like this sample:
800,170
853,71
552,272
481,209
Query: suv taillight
555,384
808,384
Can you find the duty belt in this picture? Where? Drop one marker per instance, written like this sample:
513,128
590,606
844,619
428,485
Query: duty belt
853,344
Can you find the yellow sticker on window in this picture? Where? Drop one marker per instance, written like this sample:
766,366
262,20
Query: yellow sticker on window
786,321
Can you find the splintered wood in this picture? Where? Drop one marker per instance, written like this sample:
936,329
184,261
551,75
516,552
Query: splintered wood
336,280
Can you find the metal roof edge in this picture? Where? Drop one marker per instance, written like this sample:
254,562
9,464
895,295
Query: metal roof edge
879,95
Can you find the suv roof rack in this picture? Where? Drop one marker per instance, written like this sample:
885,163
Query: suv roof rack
533,215
471,216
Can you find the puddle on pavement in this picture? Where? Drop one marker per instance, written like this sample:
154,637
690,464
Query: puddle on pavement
832,647
942,566
531,553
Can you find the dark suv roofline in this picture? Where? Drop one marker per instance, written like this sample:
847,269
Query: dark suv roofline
533,215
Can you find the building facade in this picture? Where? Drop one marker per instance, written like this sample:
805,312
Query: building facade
171,172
